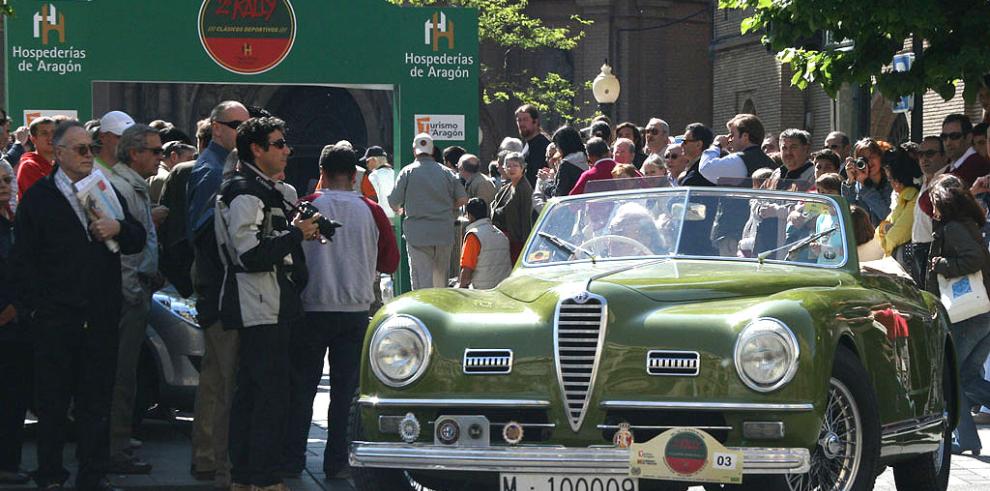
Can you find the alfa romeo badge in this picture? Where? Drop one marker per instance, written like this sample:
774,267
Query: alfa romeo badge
623,437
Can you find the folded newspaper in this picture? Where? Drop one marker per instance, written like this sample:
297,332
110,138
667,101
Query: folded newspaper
97,197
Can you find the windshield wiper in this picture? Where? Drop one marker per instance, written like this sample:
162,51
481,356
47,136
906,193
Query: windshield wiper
567,246
797,245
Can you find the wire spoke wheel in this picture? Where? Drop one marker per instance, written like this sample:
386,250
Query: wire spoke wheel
835,461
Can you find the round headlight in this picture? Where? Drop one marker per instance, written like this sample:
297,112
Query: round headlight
766,355
400,350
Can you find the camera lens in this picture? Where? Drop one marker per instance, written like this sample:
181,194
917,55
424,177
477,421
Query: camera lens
861,164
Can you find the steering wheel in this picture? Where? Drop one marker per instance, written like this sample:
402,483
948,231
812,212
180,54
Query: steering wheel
635,244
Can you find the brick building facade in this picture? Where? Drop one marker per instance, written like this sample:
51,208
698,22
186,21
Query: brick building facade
659,50
748,78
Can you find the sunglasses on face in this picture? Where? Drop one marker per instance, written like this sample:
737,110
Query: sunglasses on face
231,124
279,144
833,147
652,131
82,149
955,135
929,153
669,156
7,179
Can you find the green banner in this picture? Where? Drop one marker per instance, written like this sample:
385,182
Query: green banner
428,57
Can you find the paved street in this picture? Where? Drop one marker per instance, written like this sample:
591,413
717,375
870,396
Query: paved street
166,446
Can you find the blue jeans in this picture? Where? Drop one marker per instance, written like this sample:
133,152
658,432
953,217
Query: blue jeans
972,339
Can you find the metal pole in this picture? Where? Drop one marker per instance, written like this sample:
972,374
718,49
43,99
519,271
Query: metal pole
918,112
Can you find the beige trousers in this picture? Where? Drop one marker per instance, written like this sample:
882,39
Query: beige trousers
213,397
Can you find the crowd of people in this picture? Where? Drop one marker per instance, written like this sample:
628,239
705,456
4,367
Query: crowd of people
277,291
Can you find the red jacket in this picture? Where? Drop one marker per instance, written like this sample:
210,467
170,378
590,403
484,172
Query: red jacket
971,169
30,170
600,170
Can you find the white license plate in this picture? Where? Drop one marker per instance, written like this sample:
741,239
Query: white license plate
566,482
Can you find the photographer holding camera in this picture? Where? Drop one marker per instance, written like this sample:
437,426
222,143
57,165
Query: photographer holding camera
265,272
866,184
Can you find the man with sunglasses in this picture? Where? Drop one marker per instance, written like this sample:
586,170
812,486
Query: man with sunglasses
260,240
657,133
138,152
964,162
216,377
932,160
69,285
839,143
957,137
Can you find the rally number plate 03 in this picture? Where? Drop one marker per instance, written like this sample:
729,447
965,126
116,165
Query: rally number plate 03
566,482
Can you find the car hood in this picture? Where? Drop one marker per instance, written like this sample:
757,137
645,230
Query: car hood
674,280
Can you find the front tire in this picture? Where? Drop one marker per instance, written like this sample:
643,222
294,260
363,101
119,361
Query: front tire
930,471
848,449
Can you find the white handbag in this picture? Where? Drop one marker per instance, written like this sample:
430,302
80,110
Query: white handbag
964,296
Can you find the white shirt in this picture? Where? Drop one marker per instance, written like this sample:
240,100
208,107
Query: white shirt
955,165
713,167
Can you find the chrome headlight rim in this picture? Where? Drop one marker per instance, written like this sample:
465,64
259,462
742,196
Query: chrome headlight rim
419,329
792,348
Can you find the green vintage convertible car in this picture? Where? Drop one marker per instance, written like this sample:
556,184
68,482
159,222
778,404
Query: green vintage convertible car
743,314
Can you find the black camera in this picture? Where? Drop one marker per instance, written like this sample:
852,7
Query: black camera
862,164
327,226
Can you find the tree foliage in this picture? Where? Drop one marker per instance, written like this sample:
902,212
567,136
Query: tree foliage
506,24
957,41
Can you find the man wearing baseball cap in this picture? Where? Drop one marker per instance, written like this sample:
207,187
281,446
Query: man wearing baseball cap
112,125
426,193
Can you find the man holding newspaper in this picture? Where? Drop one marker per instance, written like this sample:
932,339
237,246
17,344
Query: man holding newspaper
72,227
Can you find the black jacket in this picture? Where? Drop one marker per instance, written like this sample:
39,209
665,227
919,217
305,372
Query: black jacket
59,273
567,176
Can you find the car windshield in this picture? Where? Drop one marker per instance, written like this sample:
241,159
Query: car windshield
740,224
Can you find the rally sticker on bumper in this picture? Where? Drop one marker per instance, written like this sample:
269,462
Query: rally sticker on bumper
685,454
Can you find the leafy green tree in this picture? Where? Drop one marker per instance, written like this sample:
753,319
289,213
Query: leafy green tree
956,34
506,24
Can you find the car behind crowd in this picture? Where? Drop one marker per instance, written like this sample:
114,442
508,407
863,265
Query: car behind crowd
168,370
624,321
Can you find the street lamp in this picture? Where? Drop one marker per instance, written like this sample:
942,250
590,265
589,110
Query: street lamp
606,89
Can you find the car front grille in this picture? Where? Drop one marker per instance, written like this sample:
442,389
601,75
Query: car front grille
579,329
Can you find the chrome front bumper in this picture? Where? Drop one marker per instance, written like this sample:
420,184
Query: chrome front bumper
547,459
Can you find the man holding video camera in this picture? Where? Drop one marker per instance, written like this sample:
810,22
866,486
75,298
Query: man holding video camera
265,271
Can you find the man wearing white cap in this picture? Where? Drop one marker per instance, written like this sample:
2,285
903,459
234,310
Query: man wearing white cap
425,193
112,125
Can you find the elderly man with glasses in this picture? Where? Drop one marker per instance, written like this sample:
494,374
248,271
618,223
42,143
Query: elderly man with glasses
657,134
138,151
69,290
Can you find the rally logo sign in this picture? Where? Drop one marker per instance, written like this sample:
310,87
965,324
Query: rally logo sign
247,36
686,453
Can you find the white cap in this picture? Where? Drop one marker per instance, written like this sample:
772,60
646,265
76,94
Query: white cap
423,144
115,122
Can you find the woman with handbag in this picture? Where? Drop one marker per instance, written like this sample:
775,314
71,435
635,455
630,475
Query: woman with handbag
958,273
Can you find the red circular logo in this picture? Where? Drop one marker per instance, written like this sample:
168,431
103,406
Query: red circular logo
685,453
247,36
